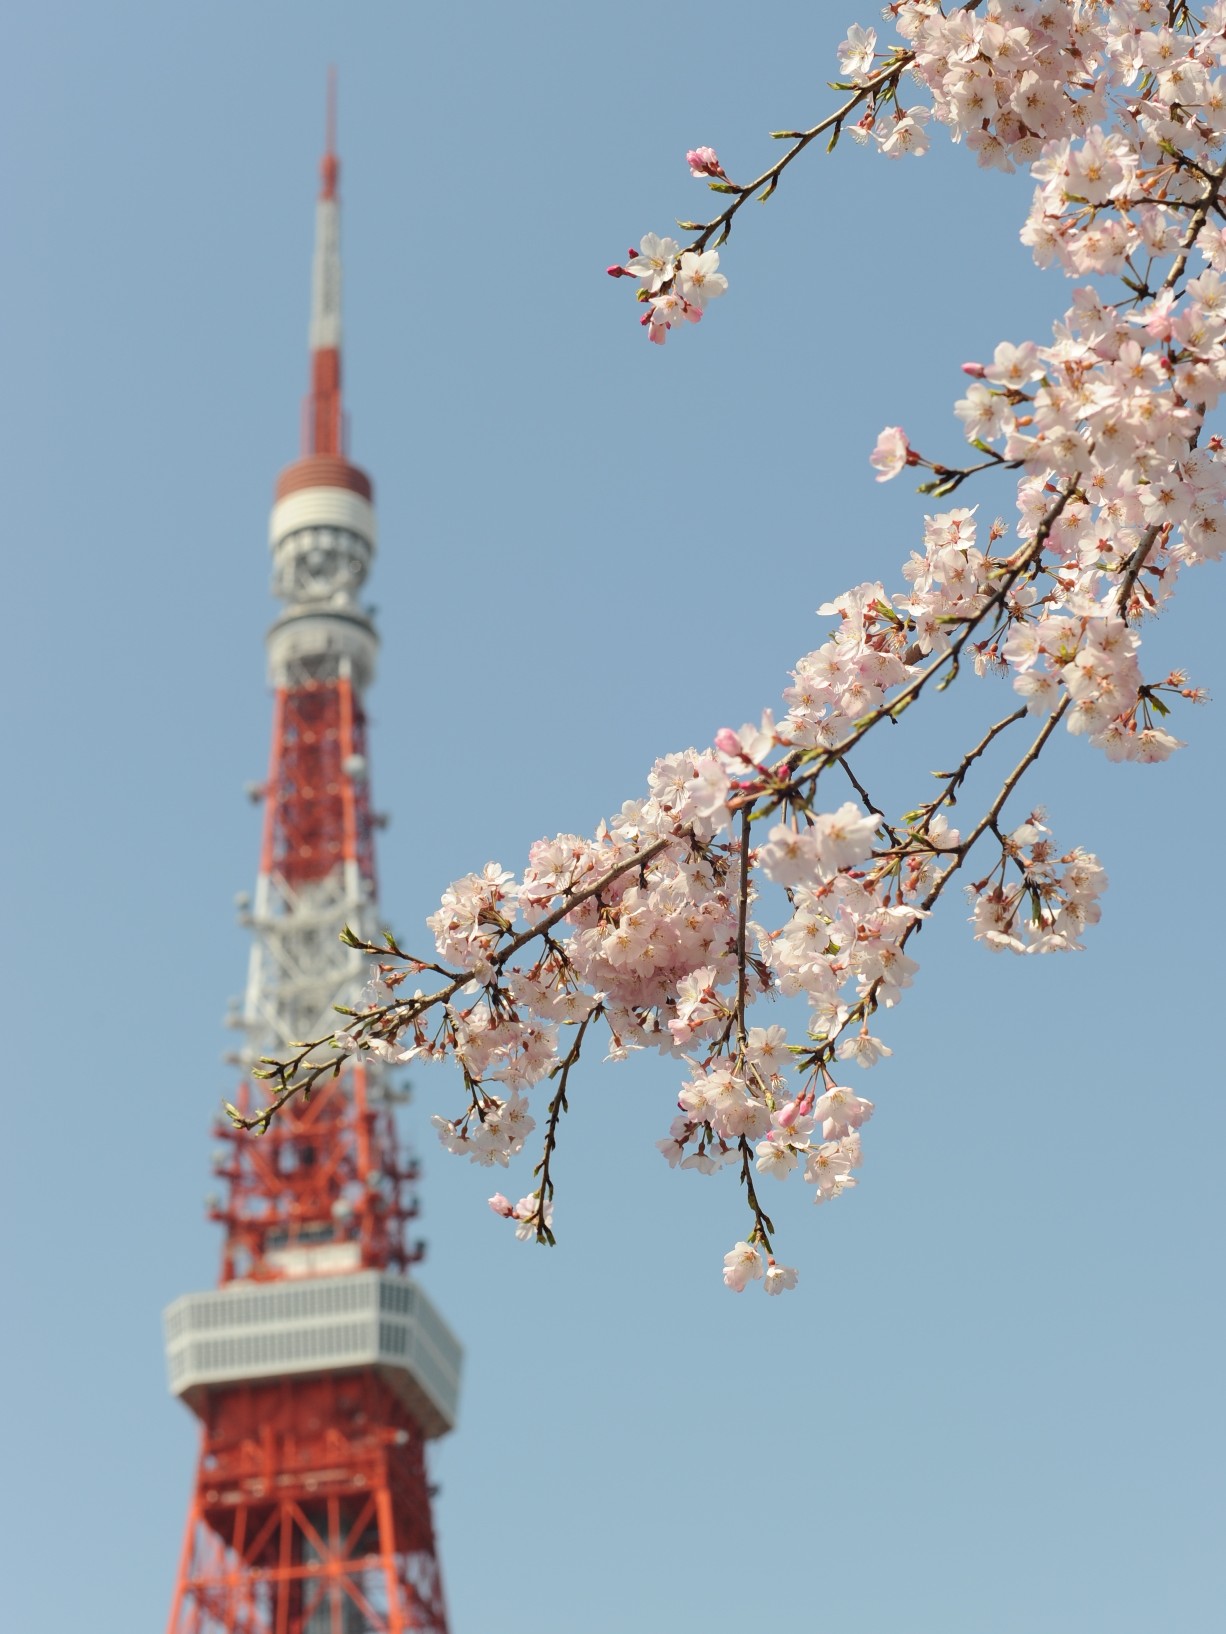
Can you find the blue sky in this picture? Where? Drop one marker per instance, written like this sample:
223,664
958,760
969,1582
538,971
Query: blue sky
993,1404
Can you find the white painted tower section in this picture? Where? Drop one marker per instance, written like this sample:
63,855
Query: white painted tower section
325,331
323,543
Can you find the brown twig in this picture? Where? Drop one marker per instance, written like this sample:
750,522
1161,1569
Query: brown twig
557,1105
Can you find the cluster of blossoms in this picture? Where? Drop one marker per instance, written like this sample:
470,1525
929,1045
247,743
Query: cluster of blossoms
735,878
645,927
744,1265
1048,907
676,285
1121,116
1017,77
526,1213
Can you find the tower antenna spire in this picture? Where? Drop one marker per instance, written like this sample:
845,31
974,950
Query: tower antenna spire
331,164
324,420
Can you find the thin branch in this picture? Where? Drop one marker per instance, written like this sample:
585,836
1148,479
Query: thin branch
869,803
884,80
557,1106
992,815
948,479
763,1225
742,962
1132,568
769,179
956,778
1199,217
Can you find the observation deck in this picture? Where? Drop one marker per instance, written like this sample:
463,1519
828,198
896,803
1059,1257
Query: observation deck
326,1324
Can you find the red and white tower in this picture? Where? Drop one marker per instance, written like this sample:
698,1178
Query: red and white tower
318,1368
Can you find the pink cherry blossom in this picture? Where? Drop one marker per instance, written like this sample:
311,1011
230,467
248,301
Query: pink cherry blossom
780,1277
656,261
742,1265
698,278
856,52
891,454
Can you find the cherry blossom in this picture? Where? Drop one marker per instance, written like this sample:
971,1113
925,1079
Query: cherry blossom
891,454
656,261
743,872
698,281
742,1265
780,1277
856,52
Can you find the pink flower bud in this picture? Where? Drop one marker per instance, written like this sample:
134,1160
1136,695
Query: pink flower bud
975,370
501,1205
618,272
703,162
799,1108
727,741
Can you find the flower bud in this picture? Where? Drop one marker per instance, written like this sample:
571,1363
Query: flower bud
799,1108
703,162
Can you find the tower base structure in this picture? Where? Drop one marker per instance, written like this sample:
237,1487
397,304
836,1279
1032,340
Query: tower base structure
311,1514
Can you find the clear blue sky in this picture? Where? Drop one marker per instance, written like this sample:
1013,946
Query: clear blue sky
993,1406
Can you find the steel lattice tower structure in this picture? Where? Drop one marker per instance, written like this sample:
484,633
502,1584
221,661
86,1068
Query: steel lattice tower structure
318,1368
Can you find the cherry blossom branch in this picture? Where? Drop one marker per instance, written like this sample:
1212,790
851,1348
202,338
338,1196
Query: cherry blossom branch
763,1226
742,960
1107,403
1121,123
948,479
816,1061
892,709
557,1105
295,1076
1133,567
872,87
404,1013
955,779
1207,202
1200,216
1139,557
991,817
869,803
885,80
868,1004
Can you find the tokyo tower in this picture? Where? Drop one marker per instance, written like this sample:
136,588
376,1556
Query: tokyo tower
318,1368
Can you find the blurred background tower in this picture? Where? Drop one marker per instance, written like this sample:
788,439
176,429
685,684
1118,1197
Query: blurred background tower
318,1368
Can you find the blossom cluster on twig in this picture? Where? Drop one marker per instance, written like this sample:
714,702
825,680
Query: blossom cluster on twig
737,876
